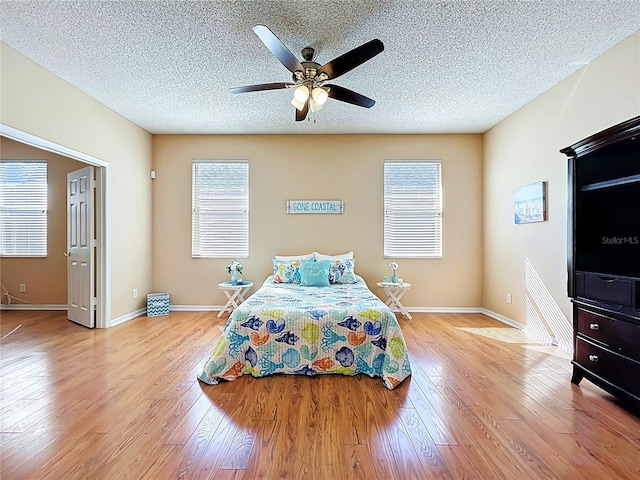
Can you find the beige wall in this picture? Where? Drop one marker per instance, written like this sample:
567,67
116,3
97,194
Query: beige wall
333,167
484,251
45,278
524,149
37,102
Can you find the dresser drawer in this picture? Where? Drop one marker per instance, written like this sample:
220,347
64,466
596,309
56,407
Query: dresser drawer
616,369
617,291
619,336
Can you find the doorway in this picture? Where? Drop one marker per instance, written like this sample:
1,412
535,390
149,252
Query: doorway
102,209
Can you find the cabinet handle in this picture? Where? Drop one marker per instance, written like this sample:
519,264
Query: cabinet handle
593,358
594,326
607,279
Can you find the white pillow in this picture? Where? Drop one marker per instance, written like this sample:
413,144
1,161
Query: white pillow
294,257
344,256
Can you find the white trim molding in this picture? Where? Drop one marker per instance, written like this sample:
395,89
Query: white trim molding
503,319
217,308
444,309
195,308
518,325
44,144
127,317
32,306
103,213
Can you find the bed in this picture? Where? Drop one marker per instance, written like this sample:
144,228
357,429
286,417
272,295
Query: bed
295,328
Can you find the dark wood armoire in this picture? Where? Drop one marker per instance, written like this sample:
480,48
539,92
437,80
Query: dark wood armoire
604,258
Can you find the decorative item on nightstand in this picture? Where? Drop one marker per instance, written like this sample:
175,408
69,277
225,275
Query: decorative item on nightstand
394,267
235,269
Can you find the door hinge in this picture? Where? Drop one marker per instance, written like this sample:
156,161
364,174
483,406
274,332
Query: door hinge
94,243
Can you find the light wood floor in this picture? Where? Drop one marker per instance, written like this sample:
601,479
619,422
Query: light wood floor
123,403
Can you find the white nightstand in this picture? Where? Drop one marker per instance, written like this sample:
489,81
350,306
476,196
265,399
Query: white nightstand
394,292
235,295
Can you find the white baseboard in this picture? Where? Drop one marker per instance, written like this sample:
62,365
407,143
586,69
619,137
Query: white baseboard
518,325
444,309
217,308
484,311
32,306
127,317
513,323
195,308
502,318
172,308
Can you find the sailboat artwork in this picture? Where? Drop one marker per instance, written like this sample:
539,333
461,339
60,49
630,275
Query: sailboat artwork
529,203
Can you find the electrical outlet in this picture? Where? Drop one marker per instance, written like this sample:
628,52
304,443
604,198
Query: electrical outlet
508,298
135,293
23,287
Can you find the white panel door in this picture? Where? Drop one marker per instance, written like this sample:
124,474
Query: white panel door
80,247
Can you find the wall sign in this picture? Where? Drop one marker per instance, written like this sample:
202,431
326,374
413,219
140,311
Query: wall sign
315,206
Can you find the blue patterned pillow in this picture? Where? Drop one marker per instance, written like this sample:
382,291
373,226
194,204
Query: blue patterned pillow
286,271
314,274
342,271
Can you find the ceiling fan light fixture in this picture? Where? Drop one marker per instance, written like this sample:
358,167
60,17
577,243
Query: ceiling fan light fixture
301,93
297,104
309,76
320,95
314,106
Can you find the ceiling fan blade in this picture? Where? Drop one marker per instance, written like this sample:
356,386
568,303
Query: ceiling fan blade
352,59
260,87
345,95
302,114
278,49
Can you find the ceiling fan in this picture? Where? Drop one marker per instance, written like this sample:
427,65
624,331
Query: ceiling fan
309,77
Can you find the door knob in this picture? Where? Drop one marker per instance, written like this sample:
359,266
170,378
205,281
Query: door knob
67,254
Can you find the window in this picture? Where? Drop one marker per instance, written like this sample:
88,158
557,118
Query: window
220,206
412,208
23,208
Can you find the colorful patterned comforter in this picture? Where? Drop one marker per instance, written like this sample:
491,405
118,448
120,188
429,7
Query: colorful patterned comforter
289,328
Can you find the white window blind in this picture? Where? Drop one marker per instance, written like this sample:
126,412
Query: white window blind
412,208
220,206
23,208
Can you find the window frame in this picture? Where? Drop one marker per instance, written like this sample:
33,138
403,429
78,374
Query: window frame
203,243
396,241
31,234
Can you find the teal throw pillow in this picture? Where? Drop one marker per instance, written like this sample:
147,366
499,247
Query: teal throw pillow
315,273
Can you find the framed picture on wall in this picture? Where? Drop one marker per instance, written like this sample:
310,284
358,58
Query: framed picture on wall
530,203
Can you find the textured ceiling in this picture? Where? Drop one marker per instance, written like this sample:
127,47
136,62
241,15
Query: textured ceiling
447,67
